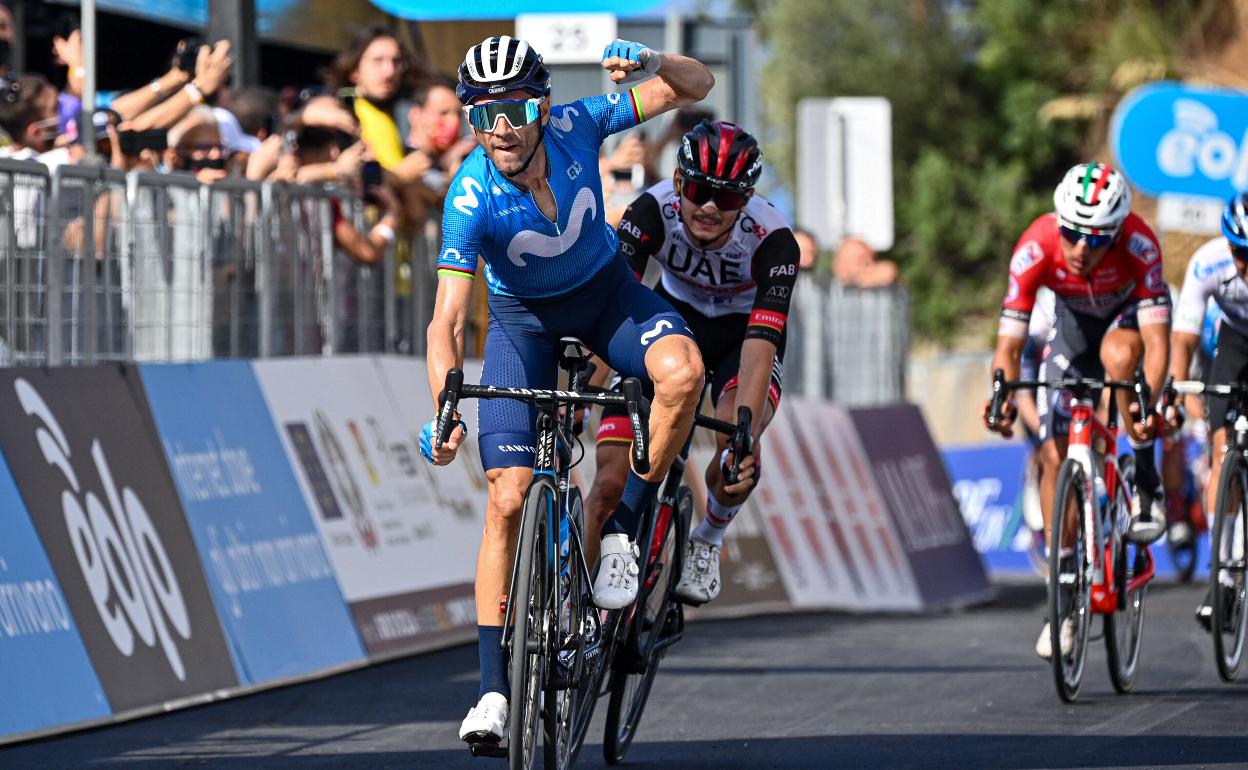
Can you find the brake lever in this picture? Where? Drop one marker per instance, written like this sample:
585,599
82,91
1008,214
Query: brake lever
741,444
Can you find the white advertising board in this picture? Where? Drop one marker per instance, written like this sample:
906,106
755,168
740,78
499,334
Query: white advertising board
845,170
567,38
403,555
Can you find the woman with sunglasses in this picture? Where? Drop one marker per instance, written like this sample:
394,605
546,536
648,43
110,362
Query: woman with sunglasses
1217,271
528,203
1103,263
729,262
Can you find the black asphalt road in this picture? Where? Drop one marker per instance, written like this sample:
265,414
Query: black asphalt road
960,690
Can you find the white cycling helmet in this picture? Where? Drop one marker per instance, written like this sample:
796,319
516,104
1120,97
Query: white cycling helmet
1093,198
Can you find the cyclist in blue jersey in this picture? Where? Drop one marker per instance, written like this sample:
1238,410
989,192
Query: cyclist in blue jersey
528,204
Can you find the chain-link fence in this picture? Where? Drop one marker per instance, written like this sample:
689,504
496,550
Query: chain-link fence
96,265
846,344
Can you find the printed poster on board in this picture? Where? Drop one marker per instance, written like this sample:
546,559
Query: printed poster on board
47,676
386,533
101,498
269,573
913,480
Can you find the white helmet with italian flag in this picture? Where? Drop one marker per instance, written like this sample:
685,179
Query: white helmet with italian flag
1093,199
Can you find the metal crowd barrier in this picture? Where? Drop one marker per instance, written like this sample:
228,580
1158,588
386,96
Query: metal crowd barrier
96,266
846,344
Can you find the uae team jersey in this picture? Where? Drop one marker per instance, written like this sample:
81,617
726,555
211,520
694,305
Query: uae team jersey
1212,273
1130,272
525,253
752,272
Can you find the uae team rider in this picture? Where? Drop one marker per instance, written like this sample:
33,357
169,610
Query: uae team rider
729,263
528,204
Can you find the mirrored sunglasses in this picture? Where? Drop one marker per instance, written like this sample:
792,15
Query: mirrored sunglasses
700,194
1073,237
517,112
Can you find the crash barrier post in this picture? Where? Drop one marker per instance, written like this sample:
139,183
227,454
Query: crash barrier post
25,196
88,299
848,344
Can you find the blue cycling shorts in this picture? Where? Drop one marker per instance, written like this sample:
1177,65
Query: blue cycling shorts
613,313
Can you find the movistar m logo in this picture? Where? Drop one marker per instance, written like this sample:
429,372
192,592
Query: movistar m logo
656,331
468,200
563,123
538,244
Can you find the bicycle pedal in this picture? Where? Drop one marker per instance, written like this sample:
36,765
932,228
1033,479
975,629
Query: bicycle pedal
488,749
486,745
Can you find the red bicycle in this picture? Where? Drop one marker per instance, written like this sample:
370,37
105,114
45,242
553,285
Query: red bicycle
1093,568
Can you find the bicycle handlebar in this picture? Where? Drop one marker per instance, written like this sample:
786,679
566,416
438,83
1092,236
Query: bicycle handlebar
1196,388
1081,385
741,444
631,398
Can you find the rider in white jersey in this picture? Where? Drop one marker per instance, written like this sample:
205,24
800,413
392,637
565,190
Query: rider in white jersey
729,264
1217,271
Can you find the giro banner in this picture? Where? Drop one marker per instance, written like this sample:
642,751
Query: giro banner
404,562
100,497
909,472
266,565
43,664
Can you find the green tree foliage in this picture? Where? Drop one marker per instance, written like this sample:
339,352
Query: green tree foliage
976,154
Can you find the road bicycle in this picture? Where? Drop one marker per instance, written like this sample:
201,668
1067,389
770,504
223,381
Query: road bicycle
1230,523
1094,569
553,634
648,628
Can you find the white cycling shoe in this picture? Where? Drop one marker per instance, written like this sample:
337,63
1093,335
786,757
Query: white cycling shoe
699,577
1144,531
616,583
1044,645
487,721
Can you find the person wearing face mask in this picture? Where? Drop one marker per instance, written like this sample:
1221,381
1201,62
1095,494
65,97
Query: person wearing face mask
195,146
436,119
28,114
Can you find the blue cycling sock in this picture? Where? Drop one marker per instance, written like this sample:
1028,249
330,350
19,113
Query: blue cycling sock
627,516
493,662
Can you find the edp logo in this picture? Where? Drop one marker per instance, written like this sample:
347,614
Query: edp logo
123,561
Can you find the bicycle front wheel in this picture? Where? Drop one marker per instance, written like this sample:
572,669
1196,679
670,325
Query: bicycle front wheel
1124,628
530,622
1226,578
637,661
1070,586
576,654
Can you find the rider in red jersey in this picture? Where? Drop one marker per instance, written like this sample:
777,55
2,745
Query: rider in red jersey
1103,263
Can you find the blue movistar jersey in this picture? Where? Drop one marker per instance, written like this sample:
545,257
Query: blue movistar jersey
525,253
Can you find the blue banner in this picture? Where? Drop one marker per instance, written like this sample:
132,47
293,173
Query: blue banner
987,483
271,580
48,679
1174,138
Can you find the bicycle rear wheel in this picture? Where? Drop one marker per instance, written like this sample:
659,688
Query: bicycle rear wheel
656,611
1124,628
1230,620
1070,588
530,619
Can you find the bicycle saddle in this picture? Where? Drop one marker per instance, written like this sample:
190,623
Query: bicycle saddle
573,353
